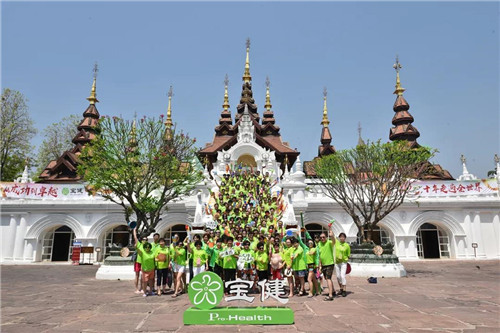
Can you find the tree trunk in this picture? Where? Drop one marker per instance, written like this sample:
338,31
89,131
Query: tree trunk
369,233
362,233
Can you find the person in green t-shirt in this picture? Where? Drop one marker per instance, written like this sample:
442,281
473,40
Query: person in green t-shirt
147,268
179,266
261,261
299,265
342,254
326,263
245,262
229,260
312,263
162,259
215,264
137,263
200,258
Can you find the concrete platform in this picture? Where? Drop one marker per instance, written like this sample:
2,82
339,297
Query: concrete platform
377,270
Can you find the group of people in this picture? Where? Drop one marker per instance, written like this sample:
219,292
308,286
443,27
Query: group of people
246,198
256,258
249,242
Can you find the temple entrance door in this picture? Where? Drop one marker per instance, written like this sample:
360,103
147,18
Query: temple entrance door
428,241
63,239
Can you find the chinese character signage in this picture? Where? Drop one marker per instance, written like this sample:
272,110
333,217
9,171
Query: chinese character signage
448,188
206,291
42,191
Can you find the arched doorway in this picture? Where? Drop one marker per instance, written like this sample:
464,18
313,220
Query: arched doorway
179,229
379,236
316,229
247,161
58,244
432,242
117,238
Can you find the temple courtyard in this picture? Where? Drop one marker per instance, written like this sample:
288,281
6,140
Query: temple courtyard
441,295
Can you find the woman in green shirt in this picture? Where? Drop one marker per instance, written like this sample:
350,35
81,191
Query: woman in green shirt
261,262
179,258
342,254
200,258
147,267
299,265
311,261
162,259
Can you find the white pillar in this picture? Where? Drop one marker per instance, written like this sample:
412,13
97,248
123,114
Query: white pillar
10,239
29,246
476,232
20,233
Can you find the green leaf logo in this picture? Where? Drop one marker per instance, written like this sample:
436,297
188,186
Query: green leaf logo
65,191
206,290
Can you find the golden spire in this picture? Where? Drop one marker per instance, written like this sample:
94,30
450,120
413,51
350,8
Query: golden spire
268,105
399,90
168,122
325,122
246,74
226,97
132,142
93,98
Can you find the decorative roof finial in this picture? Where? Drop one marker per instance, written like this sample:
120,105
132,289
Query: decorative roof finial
268,105
361,142
168,121
246,74
397,66
226,97
325,122
93,98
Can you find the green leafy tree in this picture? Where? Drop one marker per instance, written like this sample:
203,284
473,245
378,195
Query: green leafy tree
57,139
371,180
140,167
16,132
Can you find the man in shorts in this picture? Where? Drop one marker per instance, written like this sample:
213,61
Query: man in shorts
326,263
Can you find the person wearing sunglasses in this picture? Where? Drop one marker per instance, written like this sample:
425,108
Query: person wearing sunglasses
326,261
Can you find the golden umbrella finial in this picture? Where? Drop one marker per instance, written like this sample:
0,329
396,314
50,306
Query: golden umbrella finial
93,96
268,105
246,74
168,121
325,122
226,97
399,90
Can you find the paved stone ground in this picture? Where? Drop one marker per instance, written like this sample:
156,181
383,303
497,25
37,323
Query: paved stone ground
445,296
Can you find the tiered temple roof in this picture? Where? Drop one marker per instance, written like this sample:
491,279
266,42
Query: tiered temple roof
402,120
404,130
326,147
266,133
64,169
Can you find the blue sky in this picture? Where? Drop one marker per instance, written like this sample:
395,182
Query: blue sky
449,52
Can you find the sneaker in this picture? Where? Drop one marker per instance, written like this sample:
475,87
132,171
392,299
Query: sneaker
144,295
344,293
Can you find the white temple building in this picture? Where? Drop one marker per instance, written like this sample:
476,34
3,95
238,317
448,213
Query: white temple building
442,218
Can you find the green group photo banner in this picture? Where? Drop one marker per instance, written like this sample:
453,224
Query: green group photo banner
239,316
